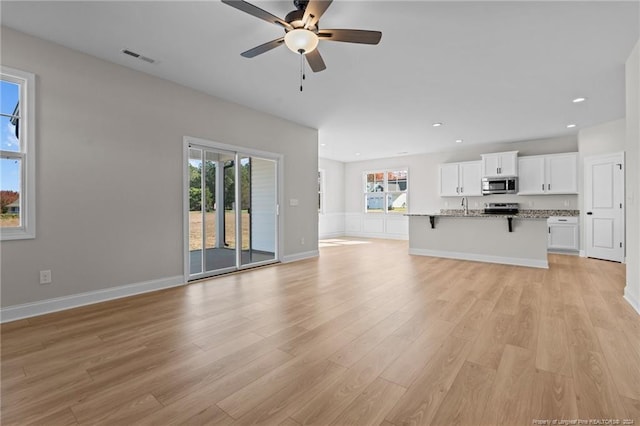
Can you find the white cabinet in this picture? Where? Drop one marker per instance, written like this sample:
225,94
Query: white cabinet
500,164
470,178
548,174
449,180
562,173
461,179
563,233
531,175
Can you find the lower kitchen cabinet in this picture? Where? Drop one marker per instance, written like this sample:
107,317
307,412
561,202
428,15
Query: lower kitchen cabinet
563,233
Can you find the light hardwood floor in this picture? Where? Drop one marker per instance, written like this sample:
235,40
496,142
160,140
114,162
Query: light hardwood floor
365,334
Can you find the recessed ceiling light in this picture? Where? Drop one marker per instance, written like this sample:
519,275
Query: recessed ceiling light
578,100
323,144
571,126
357,153
458,140
437,124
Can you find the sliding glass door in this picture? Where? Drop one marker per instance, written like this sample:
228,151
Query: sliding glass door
232,211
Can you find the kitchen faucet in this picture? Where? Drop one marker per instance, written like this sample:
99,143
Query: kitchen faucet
465,205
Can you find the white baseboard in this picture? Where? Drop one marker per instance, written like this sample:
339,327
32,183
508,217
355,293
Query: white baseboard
567,252
532,263
16,312
377,235
635,304
300,256
583,253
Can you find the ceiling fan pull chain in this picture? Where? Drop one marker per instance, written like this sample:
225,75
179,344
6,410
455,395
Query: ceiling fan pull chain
302,76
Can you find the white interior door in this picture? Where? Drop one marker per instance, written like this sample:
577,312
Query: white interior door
604,206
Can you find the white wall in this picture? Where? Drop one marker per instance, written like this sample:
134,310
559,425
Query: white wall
109,183
331,223
606,138
632,290
423,185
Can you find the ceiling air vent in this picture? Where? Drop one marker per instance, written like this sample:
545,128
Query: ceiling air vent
138,56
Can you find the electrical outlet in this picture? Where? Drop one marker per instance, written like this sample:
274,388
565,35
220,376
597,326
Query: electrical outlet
302,241
45,277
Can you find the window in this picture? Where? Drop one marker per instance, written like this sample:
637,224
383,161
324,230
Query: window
386,191
320,191
17,154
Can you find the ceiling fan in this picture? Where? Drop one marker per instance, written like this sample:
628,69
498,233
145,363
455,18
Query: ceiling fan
302,31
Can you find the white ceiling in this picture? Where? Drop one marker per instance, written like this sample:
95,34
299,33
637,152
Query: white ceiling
490,71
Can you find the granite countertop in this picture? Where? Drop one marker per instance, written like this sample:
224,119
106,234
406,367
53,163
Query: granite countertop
523,214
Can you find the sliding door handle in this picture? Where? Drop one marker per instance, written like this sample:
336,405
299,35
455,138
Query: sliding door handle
589,213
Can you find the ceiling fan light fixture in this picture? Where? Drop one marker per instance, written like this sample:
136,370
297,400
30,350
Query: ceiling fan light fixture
301,40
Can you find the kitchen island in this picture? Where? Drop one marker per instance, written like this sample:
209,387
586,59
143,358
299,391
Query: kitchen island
516,239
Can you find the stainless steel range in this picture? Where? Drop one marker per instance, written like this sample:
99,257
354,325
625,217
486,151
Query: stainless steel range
501,208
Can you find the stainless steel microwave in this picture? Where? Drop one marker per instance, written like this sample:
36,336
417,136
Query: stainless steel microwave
499,185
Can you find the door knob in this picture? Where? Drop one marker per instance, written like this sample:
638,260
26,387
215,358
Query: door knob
589,213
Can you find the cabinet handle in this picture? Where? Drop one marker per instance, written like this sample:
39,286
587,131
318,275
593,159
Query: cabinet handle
549,187
549,229
543,186
462,189
457,190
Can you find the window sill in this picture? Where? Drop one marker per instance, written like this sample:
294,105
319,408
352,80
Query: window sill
9,234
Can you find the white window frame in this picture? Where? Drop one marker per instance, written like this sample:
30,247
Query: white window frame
321,187
27,154
386,191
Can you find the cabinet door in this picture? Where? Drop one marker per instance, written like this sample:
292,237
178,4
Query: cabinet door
562,174
471,178
563,237
449,186
509,164
491,165
531,175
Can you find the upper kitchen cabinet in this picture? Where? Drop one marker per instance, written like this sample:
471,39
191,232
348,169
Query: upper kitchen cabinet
548,174
461,179
500,164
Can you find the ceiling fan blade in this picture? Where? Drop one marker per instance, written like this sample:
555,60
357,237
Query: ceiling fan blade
351,36
257,12
315,61
263,48
313,12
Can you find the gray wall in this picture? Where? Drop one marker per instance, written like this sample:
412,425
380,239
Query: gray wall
632,290
109,164
423,176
